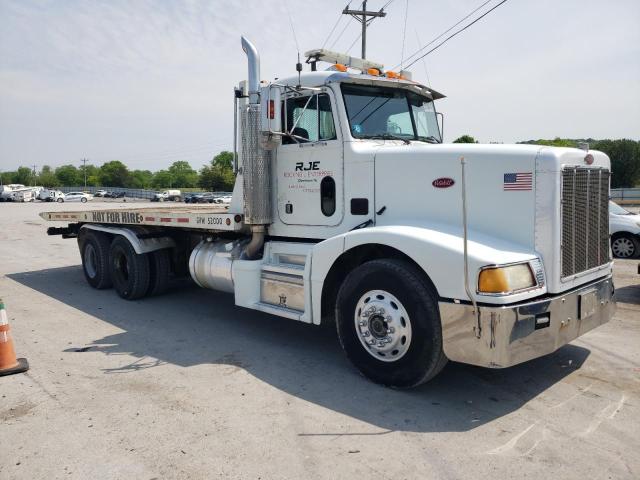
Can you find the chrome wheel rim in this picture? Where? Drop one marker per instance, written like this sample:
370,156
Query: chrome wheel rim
623,247
90,260
382,325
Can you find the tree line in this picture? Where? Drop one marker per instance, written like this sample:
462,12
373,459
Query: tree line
624,155
215,176
218,174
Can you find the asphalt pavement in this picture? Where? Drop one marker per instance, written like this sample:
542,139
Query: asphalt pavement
187,385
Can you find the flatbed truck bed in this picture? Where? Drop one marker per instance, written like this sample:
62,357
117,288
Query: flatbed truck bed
206,217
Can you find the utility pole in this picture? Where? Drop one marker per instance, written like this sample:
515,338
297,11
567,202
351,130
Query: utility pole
33,176
365,18
84,169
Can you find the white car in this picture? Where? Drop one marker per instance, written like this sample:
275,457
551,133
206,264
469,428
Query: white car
624,228
77,197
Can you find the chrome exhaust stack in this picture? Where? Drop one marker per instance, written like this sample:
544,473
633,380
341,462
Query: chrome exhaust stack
253,78
256,161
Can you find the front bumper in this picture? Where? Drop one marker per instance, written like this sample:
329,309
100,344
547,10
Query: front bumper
512,334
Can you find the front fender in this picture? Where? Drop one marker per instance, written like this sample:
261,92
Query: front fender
438,250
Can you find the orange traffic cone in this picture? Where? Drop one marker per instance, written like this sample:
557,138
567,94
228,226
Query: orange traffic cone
8,362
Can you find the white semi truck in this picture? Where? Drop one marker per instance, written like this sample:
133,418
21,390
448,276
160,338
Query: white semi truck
349,208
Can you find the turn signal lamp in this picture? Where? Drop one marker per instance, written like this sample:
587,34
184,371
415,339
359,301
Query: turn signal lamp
272,110
340,67
392,75
504,280
373,71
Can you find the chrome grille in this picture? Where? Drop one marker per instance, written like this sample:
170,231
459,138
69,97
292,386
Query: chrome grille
585,219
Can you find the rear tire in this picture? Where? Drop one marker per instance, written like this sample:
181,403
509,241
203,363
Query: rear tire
60,200
129,270
94,249
160,266
390,303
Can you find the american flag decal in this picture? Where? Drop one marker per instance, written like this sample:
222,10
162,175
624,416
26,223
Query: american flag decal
518,181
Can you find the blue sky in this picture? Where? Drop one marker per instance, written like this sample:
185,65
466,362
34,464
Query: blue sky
151,82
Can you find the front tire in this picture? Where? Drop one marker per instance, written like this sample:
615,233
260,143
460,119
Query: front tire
388,323
83,200
625,246
129,270
60,200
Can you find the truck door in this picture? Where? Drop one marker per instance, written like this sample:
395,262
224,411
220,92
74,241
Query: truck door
309,167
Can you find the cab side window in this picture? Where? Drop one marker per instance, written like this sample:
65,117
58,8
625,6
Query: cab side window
312,118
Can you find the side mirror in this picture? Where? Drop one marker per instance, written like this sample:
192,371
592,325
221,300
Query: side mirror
271,114
440,116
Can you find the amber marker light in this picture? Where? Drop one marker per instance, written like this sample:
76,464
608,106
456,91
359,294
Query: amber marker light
503,280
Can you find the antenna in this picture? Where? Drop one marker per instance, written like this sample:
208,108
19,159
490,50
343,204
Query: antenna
365,18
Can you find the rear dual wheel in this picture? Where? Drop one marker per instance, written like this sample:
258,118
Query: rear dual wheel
108,263
130,272
94,249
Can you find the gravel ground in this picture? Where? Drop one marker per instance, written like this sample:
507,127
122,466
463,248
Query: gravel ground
189,386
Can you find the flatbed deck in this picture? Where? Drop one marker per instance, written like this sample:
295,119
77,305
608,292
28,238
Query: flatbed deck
205,217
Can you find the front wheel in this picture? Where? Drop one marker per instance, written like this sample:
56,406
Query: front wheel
60,200
83,200
625,246
389,324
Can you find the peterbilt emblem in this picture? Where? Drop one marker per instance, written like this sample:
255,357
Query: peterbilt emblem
588,159
443,182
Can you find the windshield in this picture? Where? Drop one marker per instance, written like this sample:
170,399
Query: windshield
384,112
617,209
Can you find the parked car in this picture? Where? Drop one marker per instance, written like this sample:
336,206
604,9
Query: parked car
188,198
113,194
100,193
624,227
78,197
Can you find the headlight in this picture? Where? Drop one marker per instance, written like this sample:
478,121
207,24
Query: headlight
508,279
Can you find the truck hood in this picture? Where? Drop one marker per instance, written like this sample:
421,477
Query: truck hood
513,194
422,184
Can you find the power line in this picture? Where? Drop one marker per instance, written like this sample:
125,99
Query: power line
457,32
354,42
340,17
340,35
404,31
442,34
424,62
